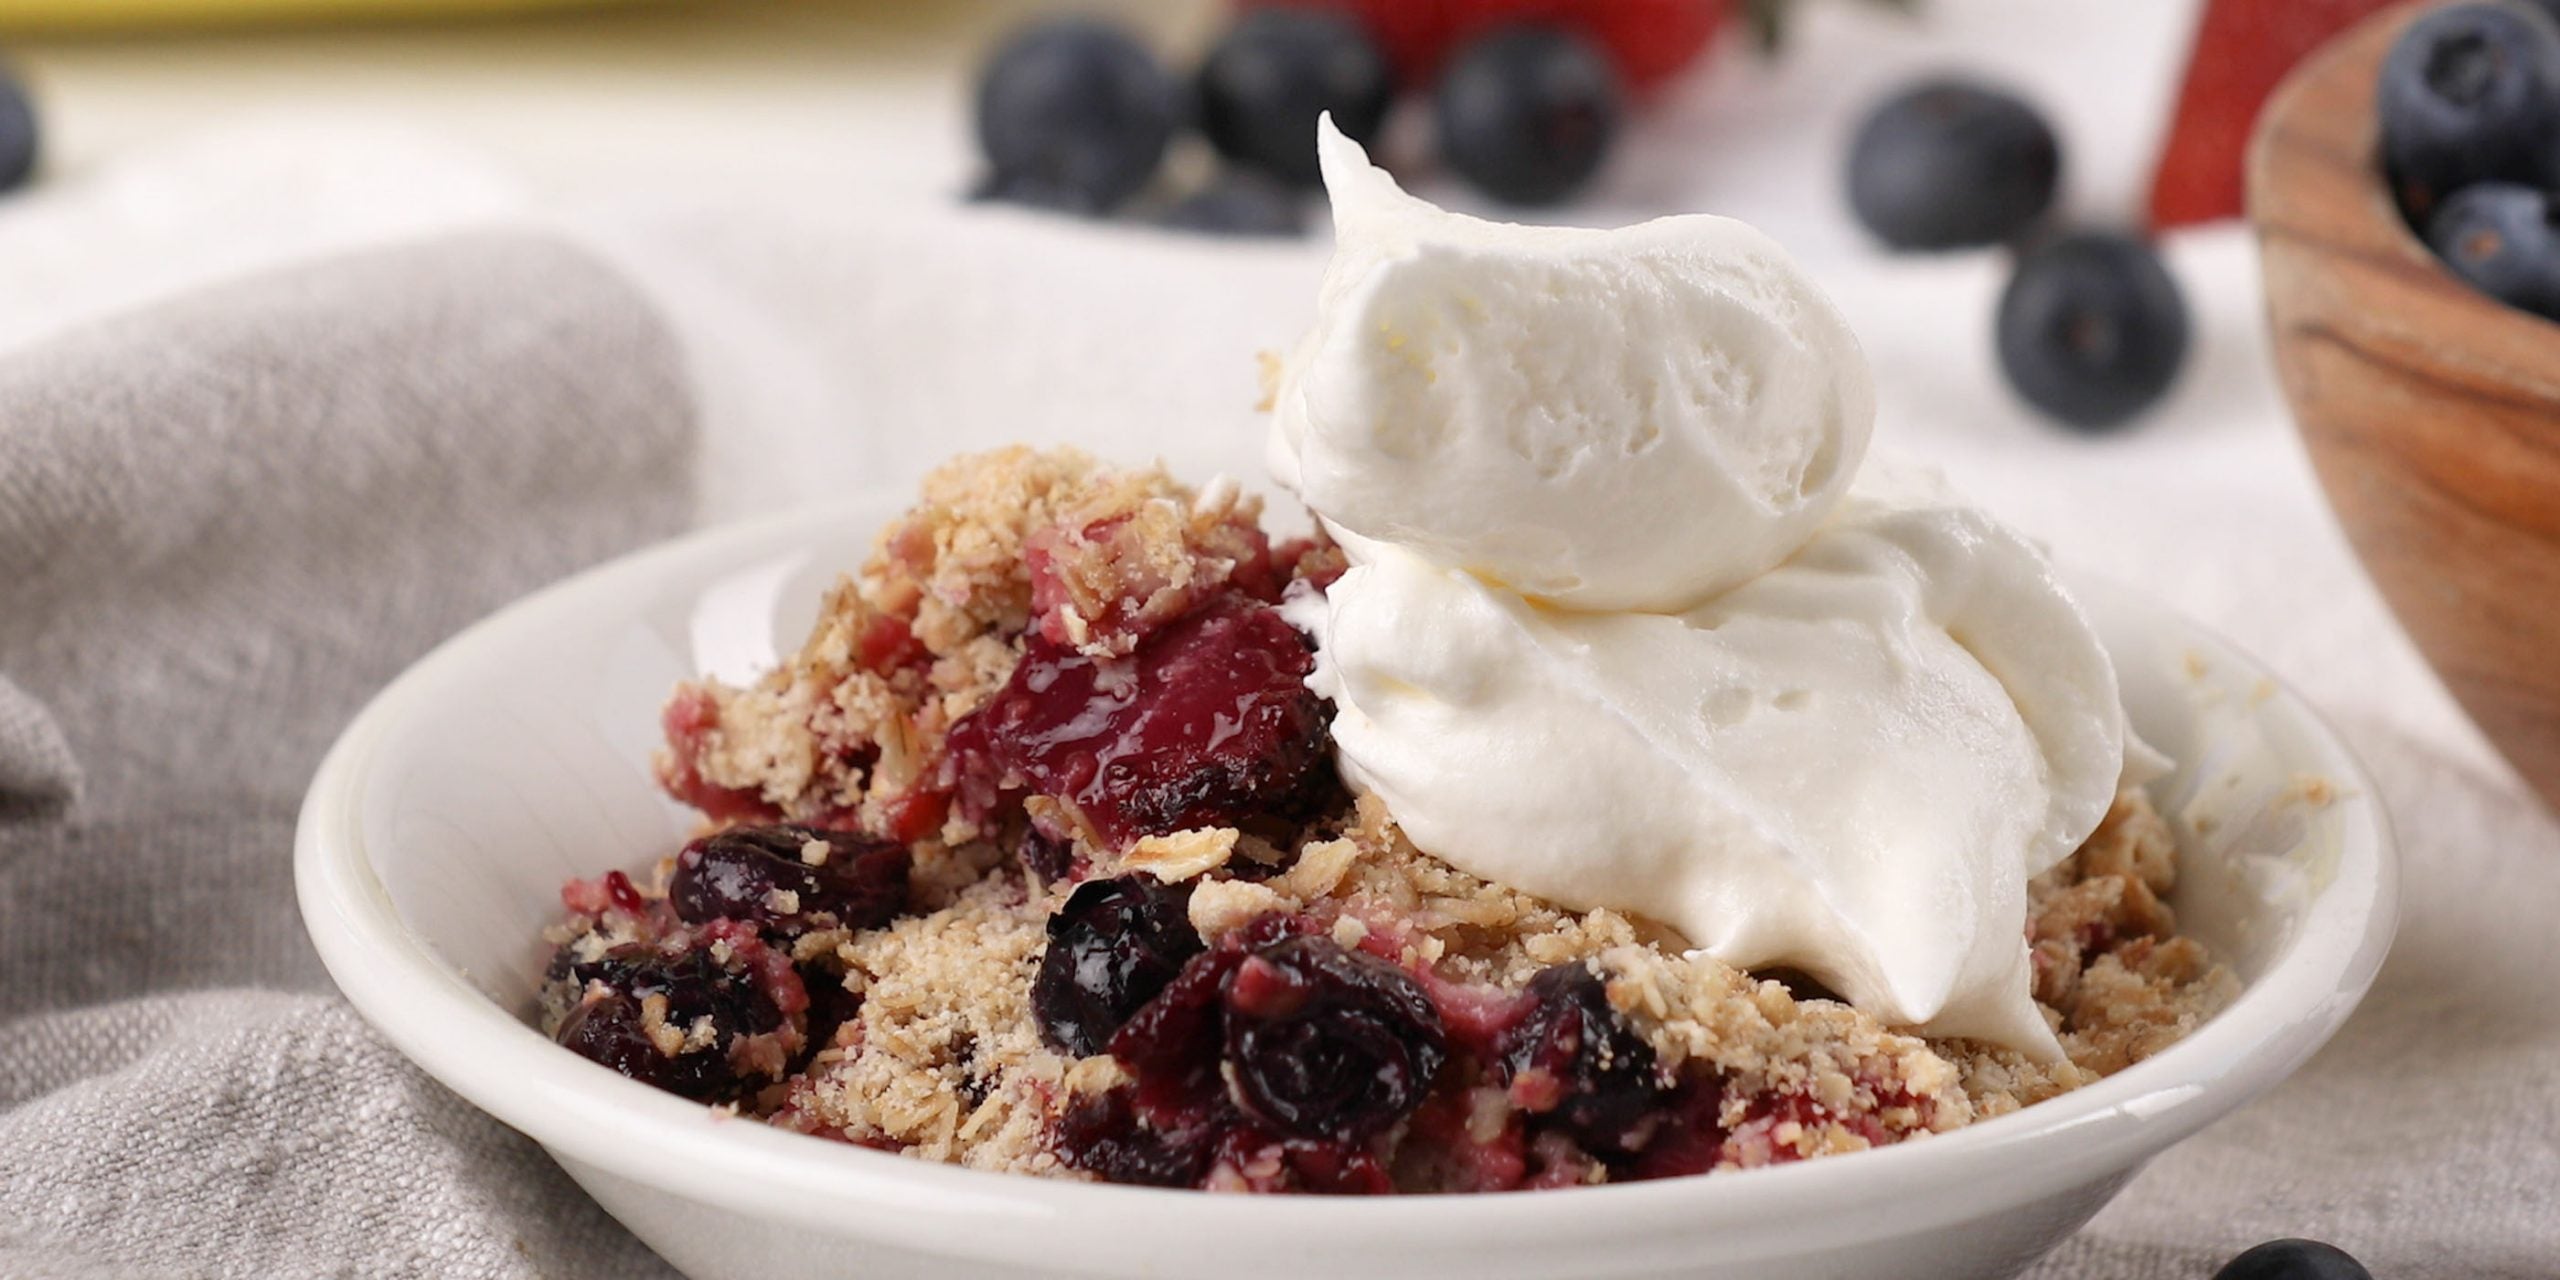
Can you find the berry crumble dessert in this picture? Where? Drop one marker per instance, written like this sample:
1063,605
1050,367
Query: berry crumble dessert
1621,781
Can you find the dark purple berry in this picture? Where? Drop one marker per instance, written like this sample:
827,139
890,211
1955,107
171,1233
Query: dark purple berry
1239,204
1576,1063
1949,164
2470,93
764,876
2504,240
1073,113
1113,946
2092,329
18,132
1527,113
1208,724
2293,1260
1263,85
1049,857
611,1027
1101,1134
1329,1044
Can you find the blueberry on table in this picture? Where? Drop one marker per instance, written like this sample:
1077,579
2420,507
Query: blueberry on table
1239,204
2470,94
1527,113
2505,240
2293,1260
1073,114
2091,328
1947,164
17,132
1261,89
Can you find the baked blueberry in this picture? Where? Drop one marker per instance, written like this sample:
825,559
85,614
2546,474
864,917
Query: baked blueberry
1073,113
1574,1061
1947,164
1113,945
2091,329
1265,82
1527,113
1325,1043
789,880
673,1022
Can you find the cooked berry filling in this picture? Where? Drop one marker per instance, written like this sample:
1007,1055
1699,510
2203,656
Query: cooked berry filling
1112,948
1328,1043
1208,724
788,880
1579,1067
689,1023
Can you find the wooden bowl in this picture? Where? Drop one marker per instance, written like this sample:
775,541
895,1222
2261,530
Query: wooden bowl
2431,411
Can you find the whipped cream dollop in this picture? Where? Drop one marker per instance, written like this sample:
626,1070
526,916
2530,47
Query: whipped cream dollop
1628,625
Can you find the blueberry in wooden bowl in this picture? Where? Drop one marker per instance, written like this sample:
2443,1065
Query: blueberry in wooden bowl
2429,406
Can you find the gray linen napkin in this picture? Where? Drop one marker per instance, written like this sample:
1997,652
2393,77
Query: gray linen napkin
224,521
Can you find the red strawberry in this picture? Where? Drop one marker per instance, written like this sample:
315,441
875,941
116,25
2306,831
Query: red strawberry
1650,40
2242,50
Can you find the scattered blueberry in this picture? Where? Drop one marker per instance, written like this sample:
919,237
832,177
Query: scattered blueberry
1239,204
2505,240
1527,113
1574,1061
1101,1134
2091,328
1264,84
17,132
1949,164
2293,1260
1113,946
2470,93
1329,1044
1073,114
611,1027
762,875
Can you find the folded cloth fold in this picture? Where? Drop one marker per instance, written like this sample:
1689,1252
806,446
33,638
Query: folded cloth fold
225,520
38,777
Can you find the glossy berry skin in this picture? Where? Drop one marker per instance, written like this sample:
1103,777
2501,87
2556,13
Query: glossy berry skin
1324,1043
2470,93
758,874
609,1028
1527,113
2505,241
1576,1063
2293,1260
18,132
1263,85
1240,204
1208,724
2091,329
1113,946
1073,113
1947,164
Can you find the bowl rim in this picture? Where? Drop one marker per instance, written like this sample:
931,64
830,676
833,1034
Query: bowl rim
582,1113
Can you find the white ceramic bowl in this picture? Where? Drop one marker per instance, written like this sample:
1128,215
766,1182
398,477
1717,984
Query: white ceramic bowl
435,837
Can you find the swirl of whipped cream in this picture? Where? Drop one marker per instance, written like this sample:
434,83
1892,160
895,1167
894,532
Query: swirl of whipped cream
1844,747
1629,419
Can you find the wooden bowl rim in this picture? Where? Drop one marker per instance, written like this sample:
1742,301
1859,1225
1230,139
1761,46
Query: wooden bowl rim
2291,148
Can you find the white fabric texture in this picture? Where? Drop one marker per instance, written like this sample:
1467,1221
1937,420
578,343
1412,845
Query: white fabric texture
231,513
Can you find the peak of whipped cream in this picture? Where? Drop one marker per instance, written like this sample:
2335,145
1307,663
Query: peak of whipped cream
1629,624
1631,419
